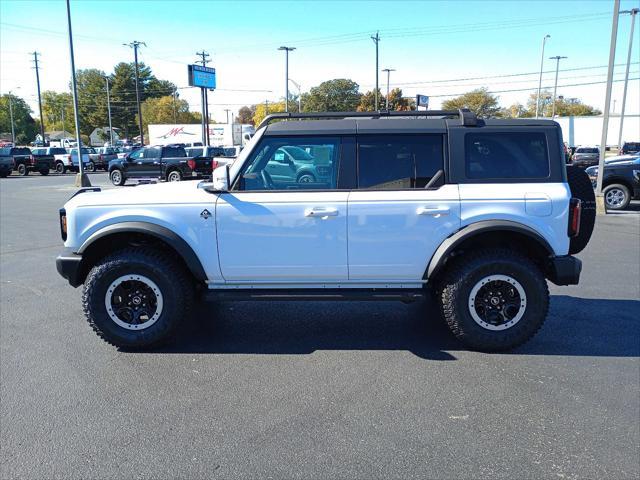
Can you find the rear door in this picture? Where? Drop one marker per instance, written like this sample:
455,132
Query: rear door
276,232
395,223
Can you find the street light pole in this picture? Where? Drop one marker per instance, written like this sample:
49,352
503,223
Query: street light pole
633,13
544,41
82,180
297,85
607,105
388,70
135,44
109,112
286,76
13,129
376,40
555,86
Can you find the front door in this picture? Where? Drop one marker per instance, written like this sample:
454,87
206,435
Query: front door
275,230
395,223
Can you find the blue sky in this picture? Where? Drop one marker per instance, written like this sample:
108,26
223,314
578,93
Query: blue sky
424,41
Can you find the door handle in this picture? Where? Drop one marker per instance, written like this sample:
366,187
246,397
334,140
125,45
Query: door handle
321,212
434,212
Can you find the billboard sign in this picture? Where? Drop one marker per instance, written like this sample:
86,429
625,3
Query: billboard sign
203,77
422,101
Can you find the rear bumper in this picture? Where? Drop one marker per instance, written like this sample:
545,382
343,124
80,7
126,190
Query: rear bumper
564,270
68,266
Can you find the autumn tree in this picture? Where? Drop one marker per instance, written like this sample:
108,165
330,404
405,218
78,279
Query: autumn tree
479,101
166,110
262,110
565,107
57,110
246,114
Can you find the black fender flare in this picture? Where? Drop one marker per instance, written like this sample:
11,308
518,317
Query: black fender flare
162,233
465,233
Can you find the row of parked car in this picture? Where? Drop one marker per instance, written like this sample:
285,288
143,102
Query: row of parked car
168,162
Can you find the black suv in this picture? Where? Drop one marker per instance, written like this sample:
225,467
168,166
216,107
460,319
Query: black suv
621,182
629,148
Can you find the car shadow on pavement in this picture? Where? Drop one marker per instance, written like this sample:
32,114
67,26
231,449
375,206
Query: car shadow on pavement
575,327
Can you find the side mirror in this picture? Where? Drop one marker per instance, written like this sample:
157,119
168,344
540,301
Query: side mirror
219,180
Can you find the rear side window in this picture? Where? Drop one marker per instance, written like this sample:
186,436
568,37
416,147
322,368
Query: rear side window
194,152
173,152
20,151
57,151
397,162
506,155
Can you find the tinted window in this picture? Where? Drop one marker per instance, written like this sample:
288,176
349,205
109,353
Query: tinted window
57,151
587,150
194,152
296,163
170,152
396,162
506,155
39,151
20,151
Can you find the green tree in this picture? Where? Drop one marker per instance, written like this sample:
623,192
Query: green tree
166,110
368,101
479,101
55,106
92,100
246,114
24,124
565,107
338,95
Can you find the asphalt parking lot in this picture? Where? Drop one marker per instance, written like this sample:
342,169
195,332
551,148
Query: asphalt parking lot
313,390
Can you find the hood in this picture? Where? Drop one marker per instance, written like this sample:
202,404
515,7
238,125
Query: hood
171,193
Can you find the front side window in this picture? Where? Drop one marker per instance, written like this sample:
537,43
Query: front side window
136,154
397,162
292,163
506,155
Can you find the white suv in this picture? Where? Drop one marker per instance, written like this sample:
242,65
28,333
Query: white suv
399,204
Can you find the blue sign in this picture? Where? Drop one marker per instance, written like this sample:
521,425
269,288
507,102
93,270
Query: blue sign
204,77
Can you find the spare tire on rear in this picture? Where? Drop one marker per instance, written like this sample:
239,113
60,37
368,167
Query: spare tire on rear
581,188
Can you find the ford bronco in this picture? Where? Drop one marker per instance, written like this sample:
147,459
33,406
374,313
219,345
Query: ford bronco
361,206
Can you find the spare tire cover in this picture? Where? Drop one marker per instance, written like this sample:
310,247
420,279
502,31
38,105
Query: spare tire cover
580,186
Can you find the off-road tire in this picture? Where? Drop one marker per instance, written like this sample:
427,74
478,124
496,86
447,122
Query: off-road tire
581,188
170,277
44,172
118,181
23,170
624,189
174,176
466,271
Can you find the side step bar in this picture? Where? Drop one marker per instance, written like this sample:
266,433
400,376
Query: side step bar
323,294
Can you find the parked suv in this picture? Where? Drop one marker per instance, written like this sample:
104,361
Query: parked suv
621,181
629,148
478,213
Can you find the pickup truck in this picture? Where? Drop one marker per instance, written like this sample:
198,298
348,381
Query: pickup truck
167,162
99,158
24,161
6,163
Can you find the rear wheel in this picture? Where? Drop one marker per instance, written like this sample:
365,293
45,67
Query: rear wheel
581,188
136,298
306,178
174,176
23,170
616,197
494,299
116,177
60,168
91,167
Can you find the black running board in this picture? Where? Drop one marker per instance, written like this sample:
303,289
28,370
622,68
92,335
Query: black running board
320,294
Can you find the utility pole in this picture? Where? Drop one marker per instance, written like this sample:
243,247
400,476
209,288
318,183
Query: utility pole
175,115
205,100
376,40
607,105
106,78
555,86
388,70
62,117
13,128
633,13
286,75
35,59
82,180
544,41
135,44
227,112
266,107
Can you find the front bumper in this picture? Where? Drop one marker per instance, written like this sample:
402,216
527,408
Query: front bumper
564,270
68,265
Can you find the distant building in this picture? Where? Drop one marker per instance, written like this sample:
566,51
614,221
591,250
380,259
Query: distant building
100,136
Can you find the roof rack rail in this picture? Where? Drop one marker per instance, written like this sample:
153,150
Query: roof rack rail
467,117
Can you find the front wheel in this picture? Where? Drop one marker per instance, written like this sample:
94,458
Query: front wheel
174,176
136,298
306,178
616,197
91,167
23,170
494,299
117,178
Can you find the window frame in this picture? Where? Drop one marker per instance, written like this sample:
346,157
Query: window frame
445,153
457,154
235,187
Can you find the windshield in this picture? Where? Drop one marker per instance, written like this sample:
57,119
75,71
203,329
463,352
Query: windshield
587,150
